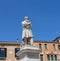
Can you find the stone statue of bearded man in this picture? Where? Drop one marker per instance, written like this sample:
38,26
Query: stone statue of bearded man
27,35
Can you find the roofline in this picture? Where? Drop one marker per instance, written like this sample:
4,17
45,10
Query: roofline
46,42
9,43
18,43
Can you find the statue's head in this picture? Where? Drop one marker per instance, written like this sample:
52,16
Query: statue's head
26,18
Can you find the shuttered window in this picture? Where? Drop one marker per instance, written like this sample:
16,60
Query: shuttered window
3,52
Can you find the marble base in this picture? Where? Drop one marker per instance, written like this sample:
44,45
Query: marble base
28,53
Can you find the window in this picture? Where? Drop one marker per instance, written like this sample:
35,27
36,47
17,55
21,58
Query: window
46,46
55,56
3,52
54,47
51,57
40,46
59,47
41,57
48,57
16,50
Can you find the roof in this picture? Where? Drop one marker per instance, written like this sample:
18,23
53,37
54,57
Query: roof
57,38
9,43
45,41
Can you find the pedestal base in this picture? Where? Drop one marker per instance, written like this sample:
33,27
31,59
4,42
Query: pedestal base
29,53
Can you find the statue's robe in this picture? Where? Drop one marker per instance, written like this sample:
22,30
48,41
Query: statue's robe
27,33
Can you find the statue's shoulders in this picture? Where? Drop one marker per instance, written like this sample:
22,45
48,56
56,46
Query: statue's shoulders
23,22
27,23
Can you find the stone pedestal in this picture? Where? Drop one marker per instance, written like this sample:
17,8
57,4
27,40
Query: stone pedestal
28,53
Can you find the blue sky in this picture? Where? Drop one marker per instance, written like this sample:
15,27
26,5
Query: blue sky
44,15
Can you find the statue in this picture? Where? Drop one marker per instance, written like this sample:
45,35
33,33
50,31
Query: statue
27,35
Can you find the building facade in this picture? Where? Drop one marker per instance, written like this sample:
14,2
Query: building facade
49,51
8,51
